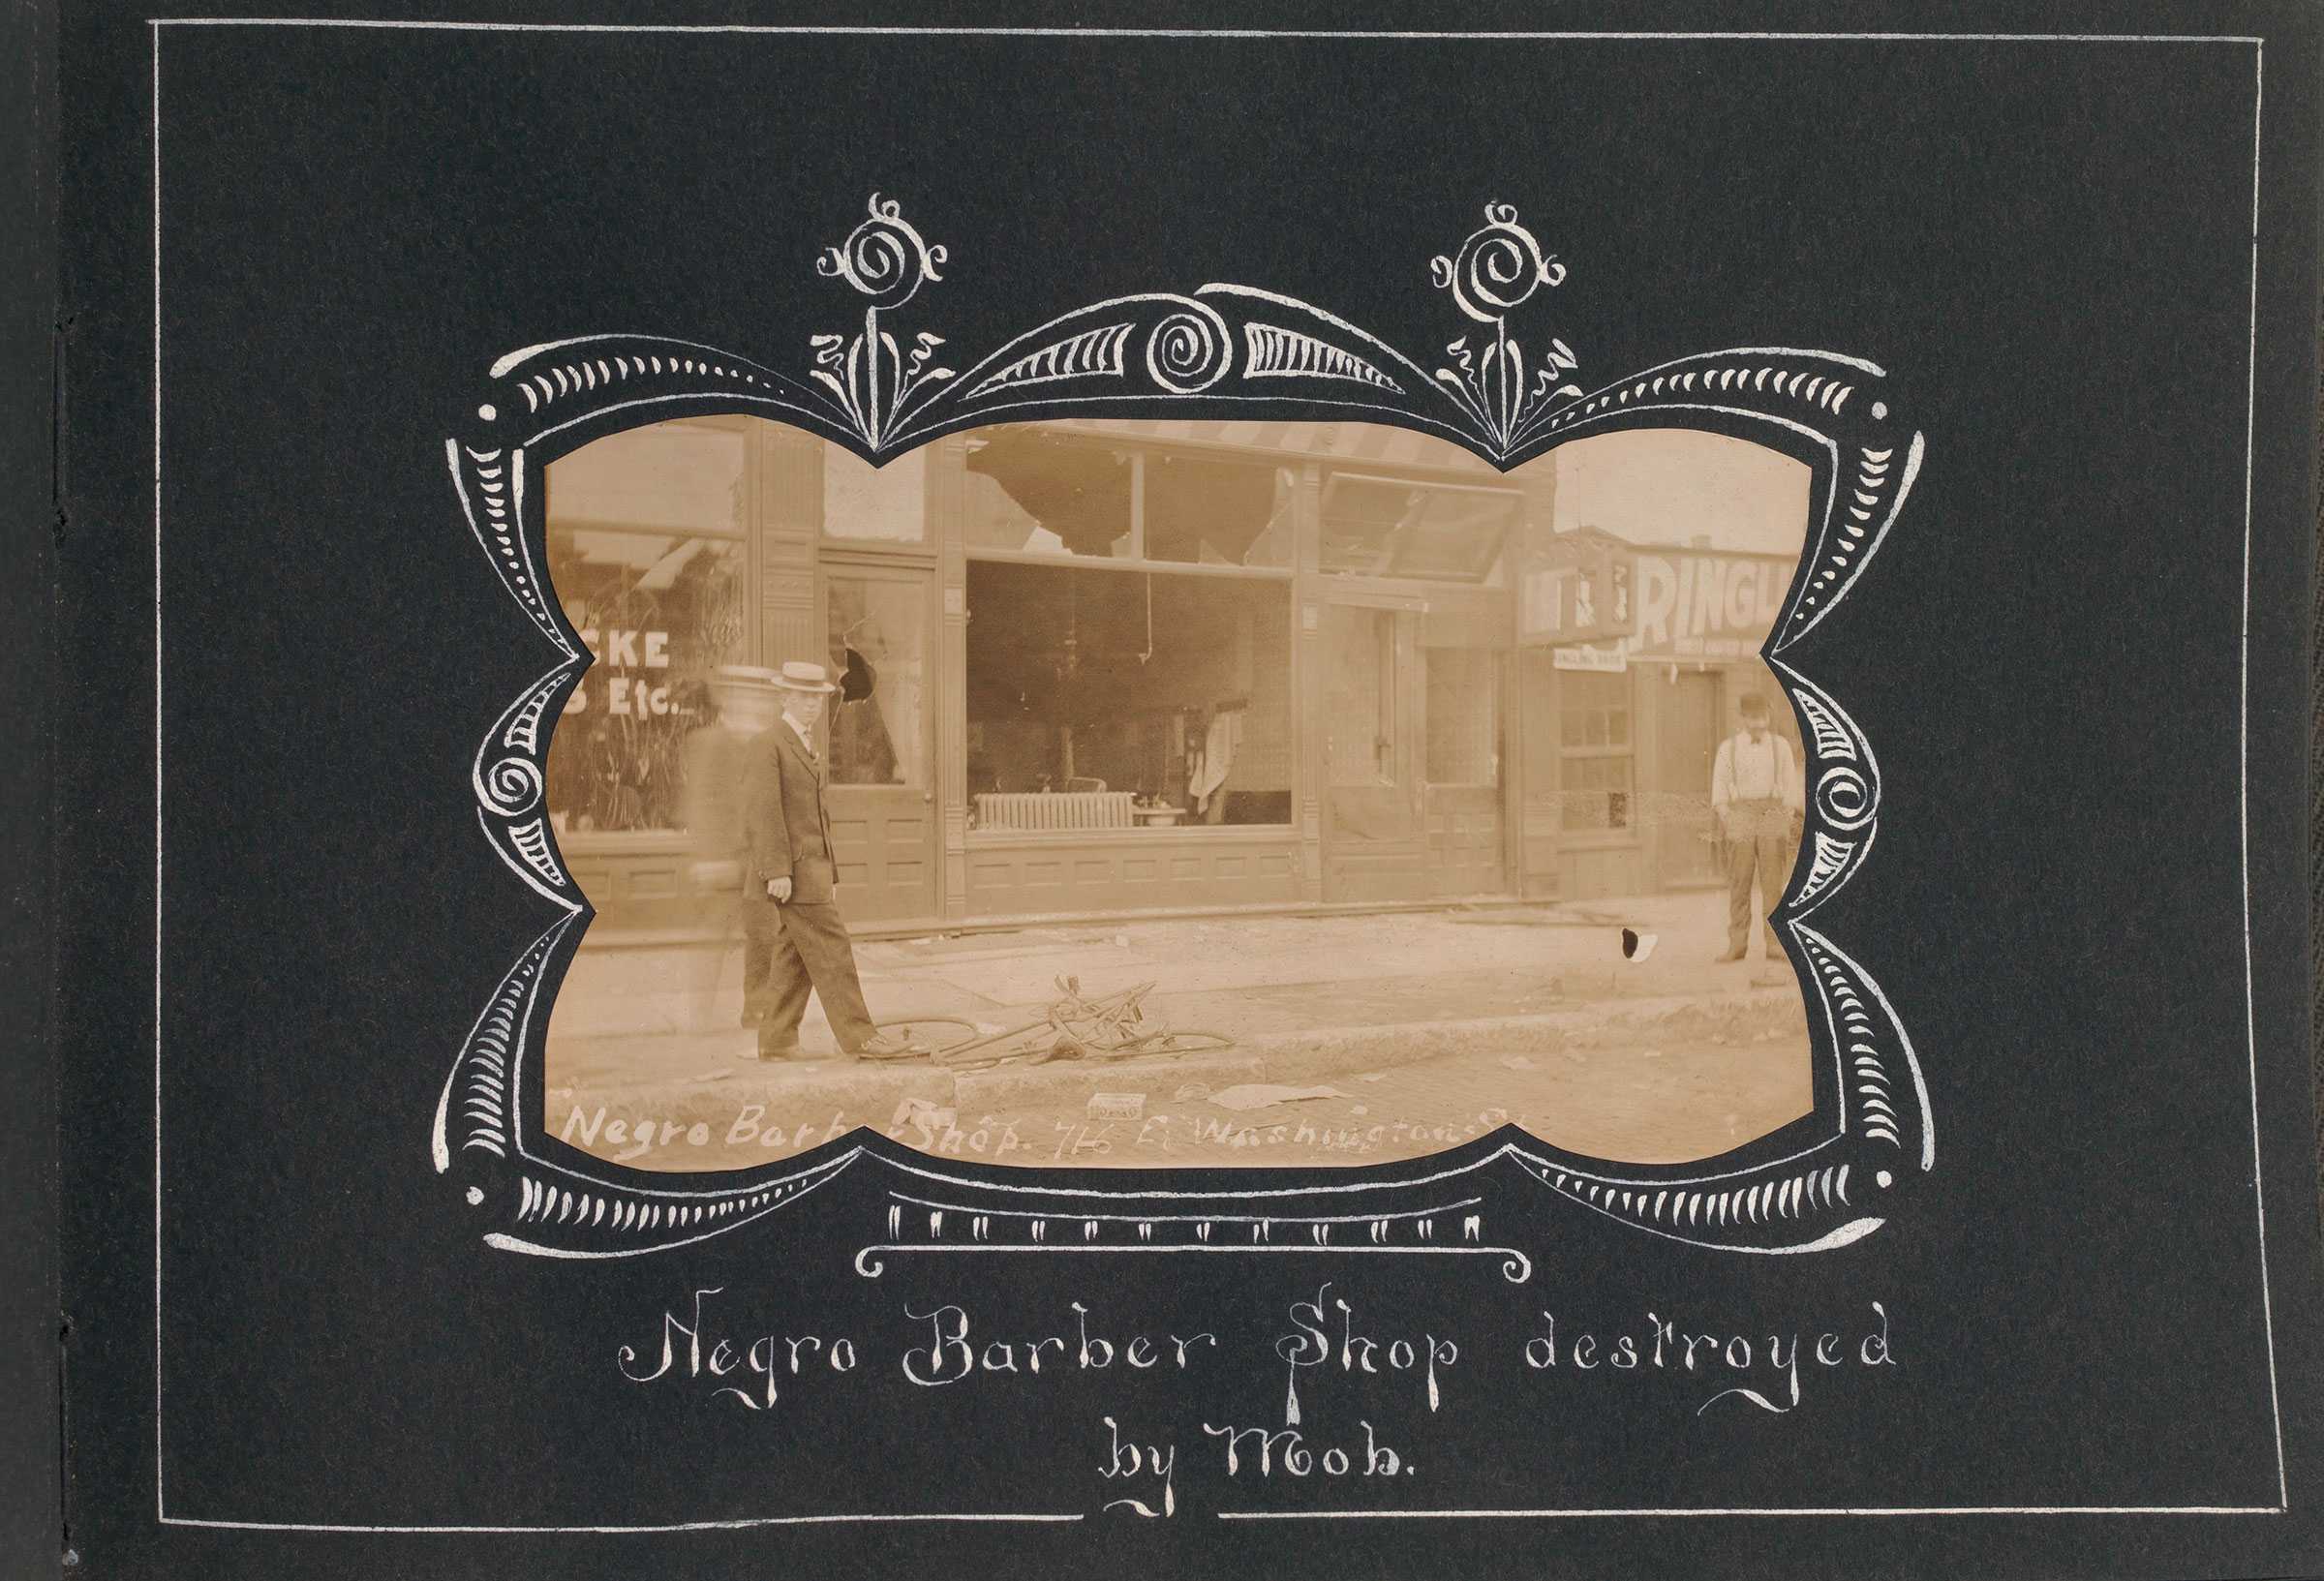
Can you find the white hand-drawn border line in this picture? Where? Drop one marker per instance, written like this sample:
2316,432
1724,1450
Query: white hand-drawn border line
2251,1048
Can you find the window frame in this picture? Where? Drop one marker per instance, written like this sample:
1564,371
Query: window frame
1609,833
1137,560
902,571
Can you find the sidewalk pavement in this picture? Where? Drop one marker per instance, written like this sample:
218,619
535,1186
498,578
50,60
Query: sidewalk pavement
1469,998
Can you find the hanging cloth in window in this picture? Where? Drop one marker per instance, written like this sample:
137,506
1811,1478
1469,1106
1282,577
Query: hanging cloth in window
1217,761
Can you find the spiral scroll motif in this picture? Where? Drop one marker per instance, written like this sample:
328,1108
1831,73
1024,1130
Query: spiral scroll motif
1843,797
883,257
511,786
1189,350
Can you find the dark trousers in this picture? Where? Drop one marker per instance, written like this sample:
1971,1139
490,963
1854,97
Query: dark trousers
790,949
1757,847
758,958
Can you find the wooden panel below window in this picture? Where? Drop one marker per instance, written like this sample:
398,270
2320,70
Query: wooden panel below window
1595,875
1378,871
1137,872
644,891
1465,850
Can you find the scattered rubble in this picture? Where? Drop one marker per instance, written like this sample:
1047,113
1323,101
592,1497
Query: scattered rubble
1267,1095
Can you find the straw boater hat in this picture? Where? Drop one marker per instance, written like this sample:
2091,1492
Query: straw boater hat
741,678
797,674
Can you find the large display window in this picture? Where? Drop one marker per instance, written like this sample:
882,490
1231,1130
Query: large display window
1032,492
1596,769
1103,699
660,612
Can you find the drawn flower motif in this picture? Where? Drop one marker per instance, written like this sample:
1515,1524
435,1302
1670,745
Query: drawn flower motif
883,257
1497,268
917,371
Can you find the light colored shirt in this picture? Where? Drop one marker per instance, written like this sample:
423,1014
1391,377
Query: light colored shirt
1760,770
806,735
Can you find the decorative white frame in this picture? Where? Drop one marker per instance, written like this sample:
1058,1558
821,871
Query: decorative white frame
1223,348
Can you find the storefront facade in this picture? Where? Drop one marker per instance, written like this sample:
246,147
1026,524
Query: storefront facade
1104,667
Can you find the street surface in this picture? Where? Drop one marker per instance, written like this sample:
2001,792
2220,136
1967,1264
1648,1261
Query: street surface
1354,1040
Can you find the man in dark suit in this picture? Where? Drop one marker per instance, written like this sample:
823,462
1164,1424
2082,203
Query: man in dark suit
792,889
718,762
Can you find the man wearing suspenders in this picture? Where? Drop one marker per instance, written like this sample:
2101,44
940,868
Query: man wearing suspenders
1756,792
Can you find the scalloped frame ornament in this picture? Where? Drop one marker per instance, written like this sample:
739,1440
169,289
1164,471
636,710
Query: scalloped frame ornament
1217,350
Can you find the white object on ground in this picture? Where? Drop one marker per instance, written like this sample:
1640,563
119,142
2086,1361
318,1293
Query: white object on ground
921,1113
1116,1106
1645,947
1517,1062
1265,1095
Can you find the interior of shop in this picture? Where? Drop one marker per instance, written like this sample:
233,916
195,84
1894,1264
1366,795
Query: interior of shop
1171,694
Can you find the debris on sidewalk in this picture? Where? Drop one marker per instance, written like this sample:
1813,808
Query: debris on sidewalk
1516,1062
1266,1094
920,1115
1071,1027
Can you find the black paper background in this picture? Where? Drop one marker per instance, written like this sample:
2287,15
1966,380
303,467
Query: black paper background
2047,245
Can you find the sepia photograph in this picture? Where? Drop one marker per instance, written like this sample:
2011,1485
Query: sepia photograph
1164,793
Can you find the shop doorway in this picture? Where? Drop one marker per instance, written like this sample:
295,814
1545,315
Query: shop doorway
880,623
1375,846
1689,710
1413,757
1461,769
